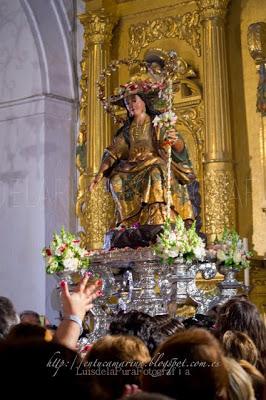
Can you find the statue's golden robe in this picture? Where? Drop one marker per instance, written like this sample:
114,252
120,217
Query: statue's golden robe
135,166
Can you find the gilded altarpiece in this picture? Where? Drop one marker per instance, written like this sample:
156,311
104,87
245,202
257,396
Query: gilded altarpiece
195,29
129,29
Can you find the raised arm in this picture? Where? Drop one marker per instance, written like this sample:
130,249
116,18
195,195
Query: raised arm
113,153
108,160
75,305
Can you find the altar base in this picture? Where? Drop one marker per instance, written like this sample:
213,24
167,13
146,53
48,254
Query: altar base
136,279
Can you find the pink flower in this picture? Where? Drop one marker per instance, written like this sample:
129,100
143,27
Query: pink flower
62,248
132,86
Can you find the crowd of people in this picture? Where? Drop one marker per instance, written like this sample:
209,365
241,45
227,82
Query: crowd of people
217,356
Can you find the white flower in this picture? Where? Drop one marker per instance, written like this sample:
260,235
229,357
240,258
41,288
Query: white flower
71,264
69,253
200,252
237,257
58,252
53,246
172,253
172,237
221,255
179,241
166,119
156,120
82,252
65,254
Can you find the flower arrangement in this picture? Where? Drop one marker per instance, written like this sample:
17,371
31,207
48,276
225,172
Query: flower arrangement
166,121
65,254
141,86
178,241
231,251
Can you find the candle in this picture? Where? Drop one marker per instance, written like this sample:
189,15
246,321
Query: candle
246,276
246,271
245,244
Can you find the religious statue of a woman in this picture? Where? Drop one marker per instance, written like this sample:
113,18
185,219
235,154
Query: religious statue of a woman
135,164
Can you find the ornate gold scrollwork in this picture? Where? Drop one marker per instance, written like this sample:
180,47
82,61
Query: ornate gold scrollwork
98,27
185,27
82,135
220,207
94,211
212,8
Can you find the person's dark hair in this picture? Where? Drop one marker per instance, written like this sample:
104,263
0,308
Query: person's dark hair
213,312
127,353
130,323
195,367
147,396
199,321
158,332
25,331
239,346
29,313
8,316
51,367
242,315
258,380
151,330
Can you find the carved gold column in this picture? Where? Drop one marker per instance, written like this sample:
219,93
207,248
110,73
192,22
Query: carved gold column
218,167
95,210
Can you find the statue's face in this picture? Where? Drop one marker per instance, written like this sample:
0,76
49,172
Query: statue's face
135,105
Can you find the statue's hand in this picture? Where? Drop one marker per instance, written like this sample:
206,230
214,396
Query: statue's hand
94,182
175,141
92,185
172,135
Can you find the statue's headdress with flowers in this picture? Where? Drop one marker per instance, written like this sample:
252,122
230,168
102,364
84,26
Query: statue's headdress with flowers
147,82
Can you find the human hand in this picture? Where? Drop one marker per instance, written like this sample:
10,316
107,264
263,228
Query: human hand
81,299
